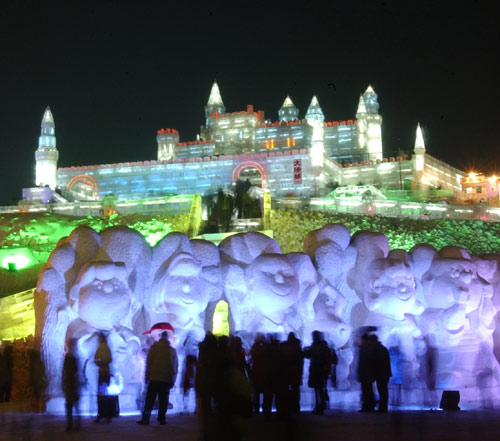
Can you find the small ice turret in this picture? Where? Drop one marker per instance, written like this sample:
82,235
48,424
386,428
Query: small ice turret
167,139
288,111
46,155
314,112
214,103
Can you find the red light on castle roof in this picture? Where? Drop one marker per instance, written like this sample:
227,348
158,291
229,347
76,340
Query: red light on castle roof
167,131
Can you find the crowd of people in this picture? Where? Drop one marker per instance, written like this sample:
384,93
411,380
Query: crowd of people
22,375
230,383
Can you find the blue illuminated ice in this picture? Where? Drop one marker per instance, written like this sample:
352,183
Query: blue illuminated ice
115,283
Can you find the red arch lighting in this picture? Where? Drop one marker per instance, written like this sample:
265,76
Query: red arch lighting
86,179
253,164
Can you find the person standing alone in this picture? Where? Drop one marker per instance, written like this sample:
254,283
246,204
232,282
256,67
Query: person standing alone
382,372
161,372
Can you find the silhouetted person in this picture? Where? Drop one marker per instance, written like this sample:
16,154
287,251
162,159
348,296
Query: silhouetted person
319,370
236,354
275,384
366,373
429,368
161,372
103,361
335,362
259,371
189,371
293,368
232,397
382,372
6,364
206,383
37,380
71,386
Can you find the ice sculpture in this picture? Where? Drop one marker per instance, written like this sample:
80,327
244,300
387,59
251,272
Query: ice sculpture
454,297
115,283
92,283
384,281
186,277
101,297
236,253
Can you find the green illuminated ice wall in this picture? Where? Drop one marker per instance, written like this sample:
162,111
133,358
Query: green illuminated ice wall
27,240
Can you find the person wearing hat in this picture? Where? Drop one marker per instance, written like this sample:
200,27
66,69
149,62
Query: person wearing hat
161,372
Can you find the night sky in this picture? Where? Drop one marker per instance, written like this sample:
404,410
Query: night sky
113,73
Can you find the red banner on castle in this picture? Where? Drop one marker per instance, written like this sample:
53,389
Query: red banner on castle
297,171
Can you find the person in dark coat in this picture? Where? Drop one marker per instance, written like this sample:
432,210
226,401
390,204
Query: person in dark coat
106,405
37,380
6,364
293,368
382,372
71,386
366,373
319,370
189,370
161,372
260,379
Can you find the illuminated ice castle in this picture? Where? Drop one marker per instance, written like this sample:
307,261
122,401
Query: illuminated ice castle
293,156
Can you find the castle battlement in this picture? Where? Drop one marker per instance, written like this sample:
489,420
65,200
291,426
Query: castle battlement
200,142
340,123
167,131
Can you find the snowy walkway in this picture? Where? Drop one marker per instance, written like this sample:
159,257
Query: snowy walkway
335,425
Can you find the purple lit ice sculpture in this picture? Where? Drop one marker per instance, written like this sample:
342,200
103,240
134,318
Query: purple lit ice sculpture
101,297
186,278
458,303
115,283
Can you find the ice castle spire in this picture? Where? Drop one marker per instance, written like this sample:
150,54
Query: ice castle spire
288,111
314,111
316,119
370,100
214,103
215,99
369,125
419,152
361,106
46,155
419,139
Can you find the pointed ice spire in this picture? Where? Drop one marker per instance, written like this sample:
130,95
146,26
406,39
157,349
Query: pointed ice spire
314,112
287,103
314,102
288,111
215,99
361,105
369,89
370,99
419,139
47,119
48,128
214,104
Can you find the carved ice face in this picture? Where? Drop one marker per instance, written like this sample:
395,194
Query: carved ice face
104,295
272,283
452,281
183,288
391,290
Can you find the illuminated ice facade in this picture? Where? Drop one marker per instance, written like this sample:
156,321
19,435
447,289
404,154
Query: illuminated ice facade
115,283
293,156
286,157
